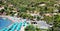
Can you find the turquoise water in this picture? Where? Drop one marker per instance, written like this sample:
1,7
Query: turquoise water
4,22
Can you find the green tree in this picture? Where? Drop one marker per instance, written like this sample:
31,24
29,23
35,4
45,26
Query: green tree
56,23
32,28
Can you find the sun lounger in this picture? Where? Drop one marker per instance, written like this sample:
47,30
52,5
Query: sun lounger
14,27
10,27
19,26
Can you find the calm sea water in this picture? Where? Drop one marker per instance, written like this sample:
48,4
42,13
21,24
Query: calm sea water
4,22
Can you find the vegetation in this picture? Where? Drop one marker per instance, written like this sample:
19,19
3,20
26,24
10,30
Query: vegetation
42,7
56,24
32,28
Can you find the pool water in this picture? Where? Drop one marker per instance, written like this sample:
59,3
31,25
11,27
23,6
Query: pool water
4,22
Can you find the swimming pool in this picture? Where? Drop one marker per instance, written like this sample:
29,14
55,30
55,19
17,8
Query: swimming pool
4,22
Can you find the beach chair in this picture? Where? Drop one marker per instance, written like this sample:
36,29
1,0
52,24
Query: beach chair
14,27
10,27
19,26
24,23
